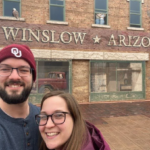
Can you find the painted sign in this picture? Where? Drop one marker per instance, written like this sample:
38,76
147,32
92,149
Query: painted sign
66,37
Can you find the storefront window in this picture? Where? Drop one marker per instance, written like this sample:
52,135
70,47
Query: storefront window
116,77
51,75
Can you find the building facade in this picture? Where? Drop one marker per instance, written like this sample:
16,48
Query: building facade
98,50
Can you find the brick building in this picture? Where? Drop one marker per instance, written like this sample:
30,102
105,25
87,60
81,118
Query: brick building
98,50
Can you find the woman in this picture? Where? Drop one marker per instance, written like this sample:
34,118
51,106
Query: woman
62,126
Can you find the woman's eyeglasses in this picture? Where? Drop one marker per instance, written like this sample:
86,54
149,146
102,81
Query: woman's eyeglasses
57,118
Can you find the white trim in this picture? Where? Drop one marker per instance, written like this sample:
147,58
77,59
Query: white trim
142,1
57,22
11,18
100,26
138,29
82,55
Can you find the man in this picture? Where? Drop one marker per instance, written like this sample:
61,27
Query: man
18,129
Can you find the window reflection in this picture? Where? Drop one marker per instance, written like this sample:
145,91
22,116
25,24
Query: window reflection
52,76
115,77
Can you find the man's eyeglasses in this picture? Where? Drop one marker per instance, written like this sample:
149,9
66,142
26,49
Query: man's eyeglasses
57,118
23,71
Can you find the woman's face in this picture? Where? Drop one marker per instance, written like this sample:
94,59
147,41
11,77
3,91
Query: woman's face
56,135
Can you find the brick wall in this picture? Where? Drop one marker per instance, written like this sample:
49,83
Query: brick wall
80,16
80,76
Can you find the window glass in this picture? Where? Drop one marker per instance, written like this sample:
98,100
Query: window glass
135,13
52,76
8,7
57,10
98,77
124,77
135,6
101,4
135,19
57,2
136,26
56,13
136,76
116,77
111,77
101,11
101,14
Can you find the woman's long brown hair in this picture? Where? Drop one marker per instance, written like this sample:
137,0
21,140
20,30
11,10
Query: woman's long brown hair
79,133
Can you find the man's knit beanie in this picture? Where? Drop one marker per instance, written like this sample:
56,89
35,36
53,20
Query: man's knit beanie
20,52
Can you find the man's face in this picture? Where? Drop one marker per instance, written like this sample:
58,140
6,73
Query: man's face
15,89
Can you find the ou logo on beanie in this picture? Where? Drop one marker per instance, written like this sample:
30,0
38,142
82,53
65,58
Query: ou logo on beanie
19,52
16,52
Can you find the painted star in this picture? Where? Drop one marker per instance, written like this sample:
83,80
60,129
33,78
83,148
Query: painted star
96,39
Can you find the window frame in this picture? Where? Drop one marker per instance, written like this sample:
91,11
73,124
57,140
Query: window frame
64,18
130,13
36,97
19,1
117,95
98,11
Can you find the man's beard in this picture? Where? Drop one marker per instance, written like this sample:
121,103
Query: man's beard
14,98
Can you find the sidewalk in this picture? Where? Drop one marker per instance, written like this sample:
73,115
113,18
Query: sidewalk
125,126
